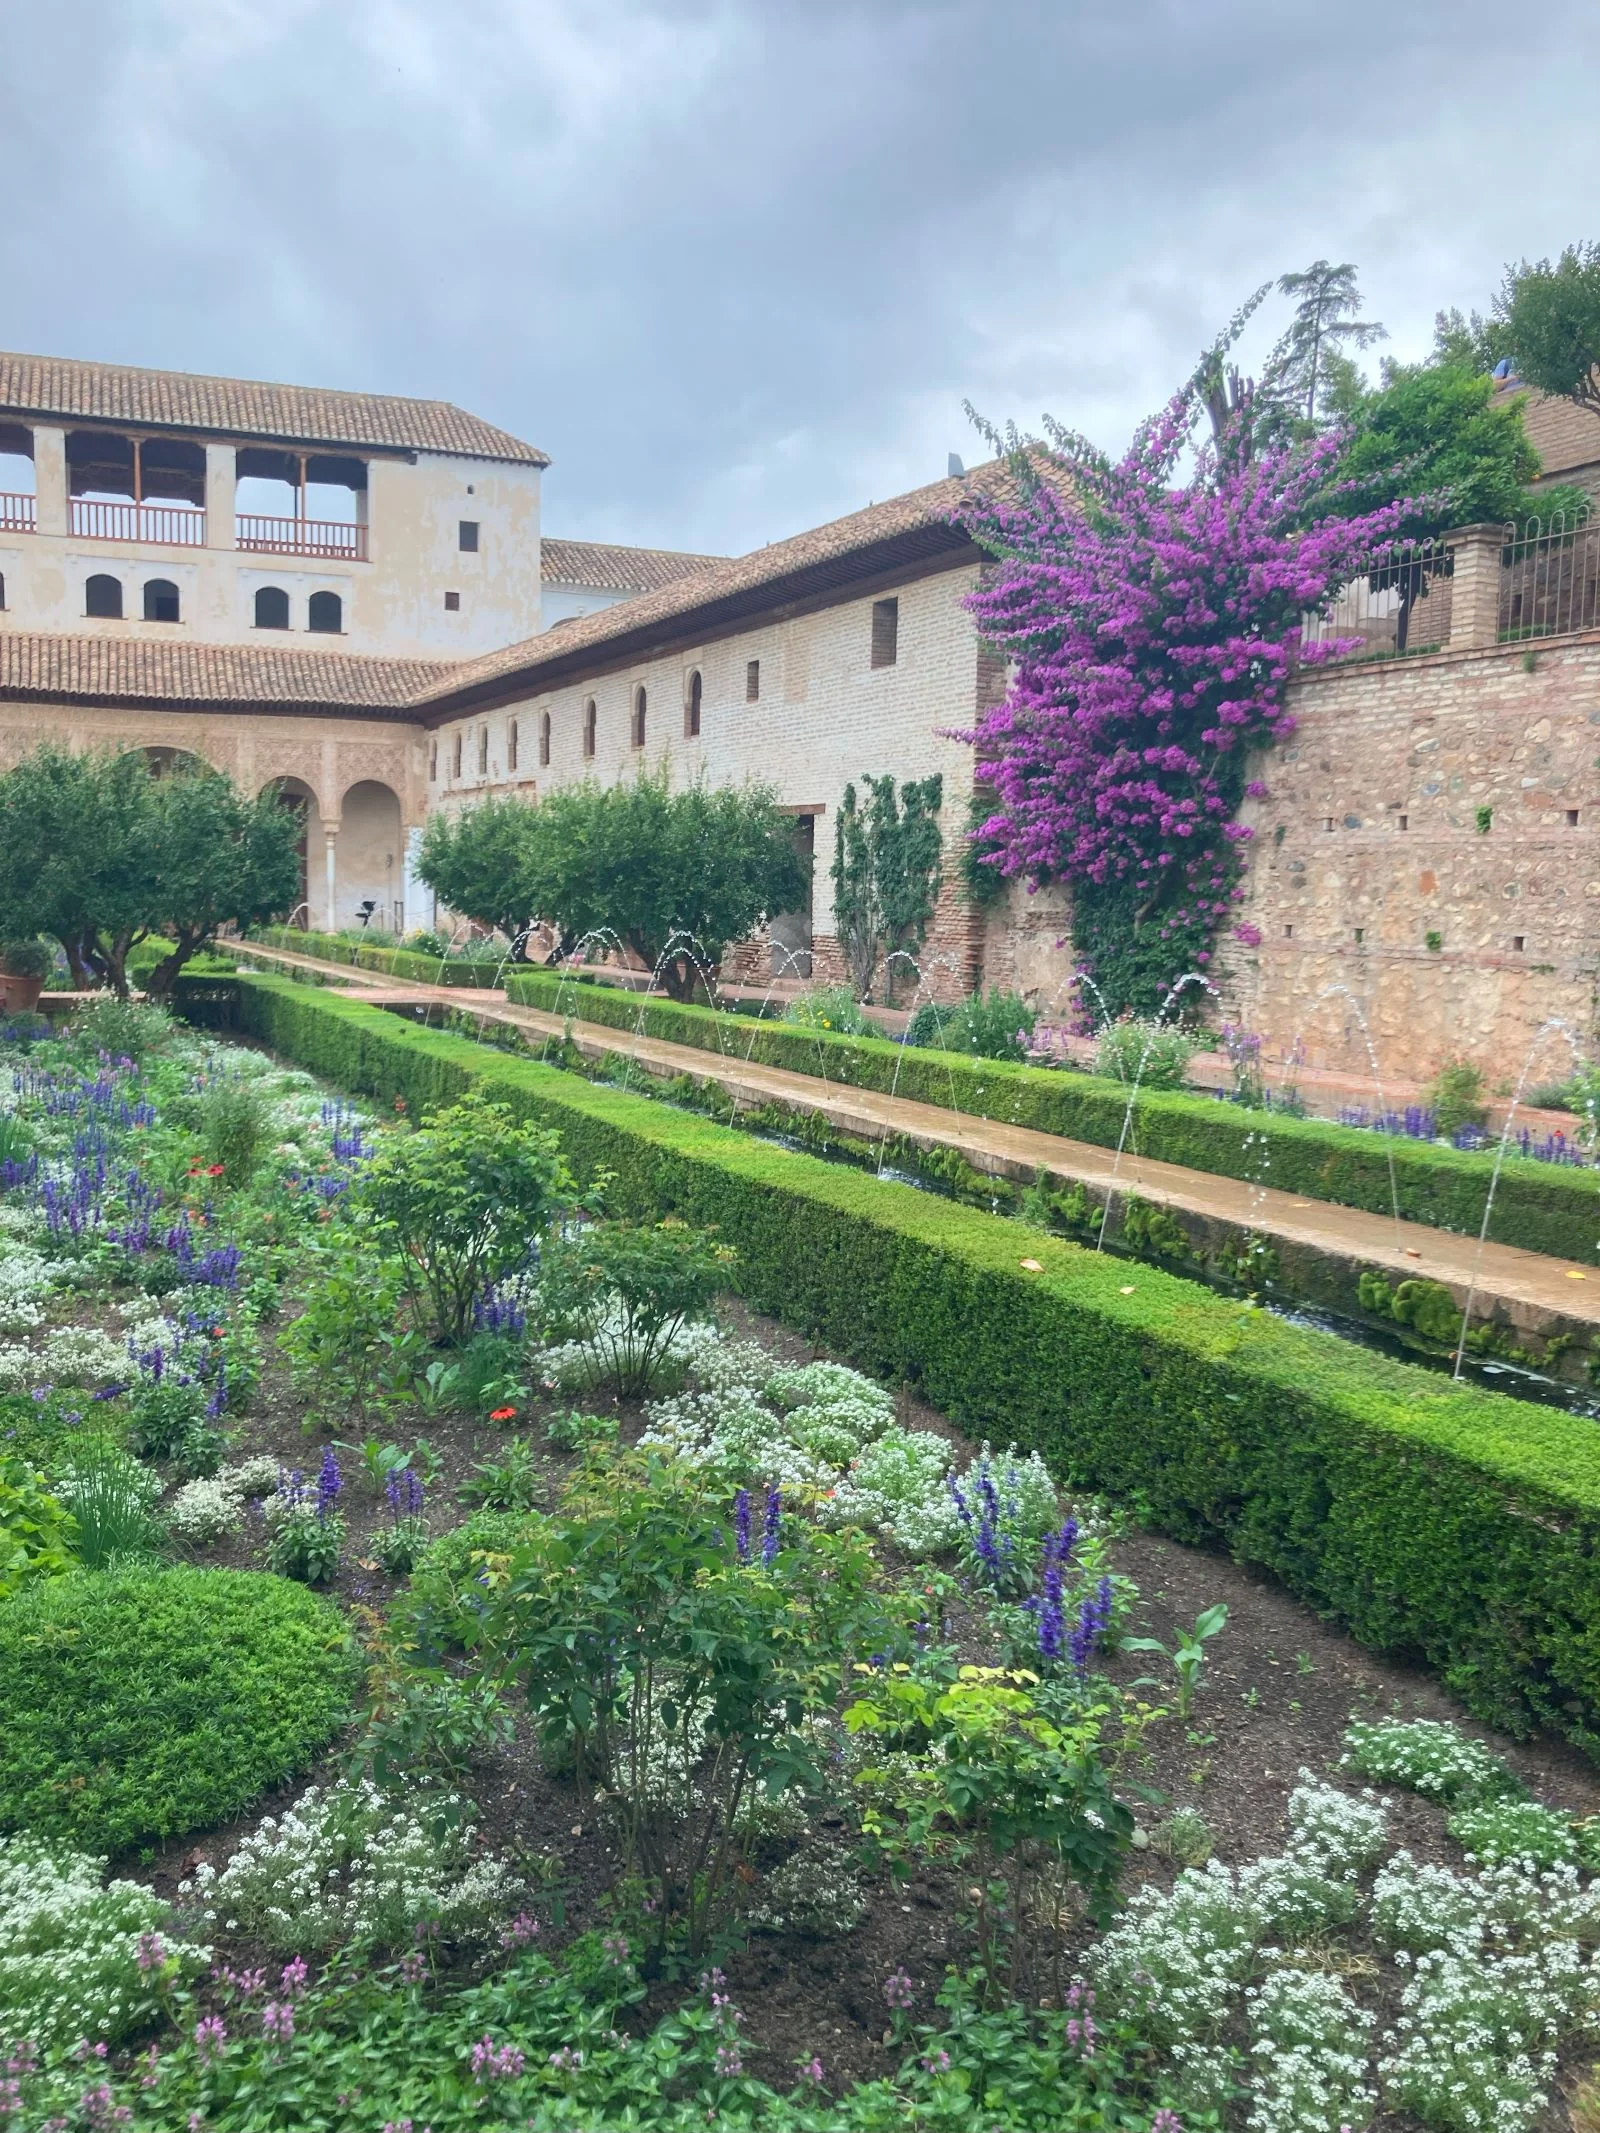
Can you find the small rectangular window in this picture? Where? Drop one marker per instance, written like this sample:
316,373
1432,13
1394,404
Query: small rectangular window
467,536
1327,822
433,762
752,680
1361,934
1405,822
483,751
455,758
1288,933
1572,818
511,745
452,603
885,632
1517,941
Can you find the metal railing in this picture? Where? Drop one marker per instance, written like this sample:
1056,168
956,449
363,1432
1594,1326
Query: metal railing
1549,578
171,525
18,512
302,536
1400,603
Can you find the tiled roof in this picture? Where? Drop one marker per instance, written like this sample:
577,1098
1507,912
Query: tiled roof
914,527
145,670
607,568
242,407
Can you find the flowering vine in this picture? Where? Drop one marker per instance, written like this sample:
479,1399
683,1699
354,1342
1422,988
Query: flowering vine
1152,626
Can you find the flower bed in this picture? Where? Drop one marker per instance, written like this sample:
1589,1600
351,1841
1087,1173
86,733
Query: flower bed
1428,1517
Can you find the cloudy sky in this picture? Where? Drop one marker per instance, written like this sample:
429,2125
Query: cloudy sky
736,264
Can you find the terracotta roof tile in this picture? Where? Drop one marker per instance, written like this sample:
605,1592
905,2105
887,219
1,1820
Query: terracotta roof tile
608,568
243,407
34,666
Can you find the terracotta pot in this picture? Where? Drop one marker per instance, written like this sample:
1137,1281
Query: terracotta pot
19,996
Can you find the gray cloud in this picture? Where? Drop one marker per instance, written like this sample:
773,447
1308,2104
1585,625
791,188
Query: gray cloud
736,263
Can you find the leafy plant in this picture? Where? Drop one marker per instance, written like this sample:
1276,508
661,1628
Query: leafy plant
432,1728
1432,1758
1455,1097
1548,320
169,1418
343,1340
513,1482
141,1703
576,1432
37,1531
466,1201
1515,1829
887,866
673,1674
992,1025
627,1289
828,1007
232,1129
1156,1055
1188,1654
1022,1800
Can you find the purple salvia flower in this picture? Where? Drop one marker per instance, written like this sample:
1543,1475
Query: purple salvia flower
770,1526
741,1525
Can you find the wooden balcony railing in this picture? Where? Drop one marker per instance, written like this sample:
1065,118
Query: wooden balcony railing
302,536
18,513
170,525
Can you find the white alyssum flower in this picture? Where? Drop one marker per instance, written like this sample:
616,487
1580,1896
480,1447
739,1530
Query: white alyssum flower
1308,2053
353,1863
26,1279
70,1945
899,1486
1439,1761
1343,1832
83,1355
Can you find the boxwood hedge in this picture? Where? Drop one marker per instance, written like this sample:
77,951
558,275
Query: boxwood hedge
1435,1520
1540,1206
390,962
143,1703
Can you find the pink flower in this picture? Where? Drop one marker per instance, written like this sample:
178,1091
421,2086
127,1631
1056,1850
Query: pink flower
292,1978
277,2020
210,2038
519,1932
495,2062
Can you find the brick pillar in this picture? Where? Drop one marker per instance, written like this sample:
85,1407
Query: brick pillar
1475,586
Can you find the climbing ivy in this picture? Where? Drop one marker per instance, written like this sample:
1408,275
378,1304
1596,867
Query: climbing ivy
887,870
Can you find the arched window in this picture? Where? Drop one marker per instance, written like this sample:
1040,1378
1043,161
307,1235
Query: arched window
161,600
638,717
433,762
591,723
455,758
483,751
326,614
272,608
103,596
691,707
511,744
544,740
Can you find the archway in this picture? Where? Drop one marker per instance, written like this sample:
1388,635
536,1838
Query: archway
370,860
311,901
164,761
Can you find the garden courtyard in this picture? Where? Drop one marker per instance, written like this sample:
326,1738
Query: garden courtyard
466,1662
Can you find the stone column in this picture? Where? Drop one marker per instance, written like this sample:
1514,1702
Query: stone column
50,480
1475,586
330,832
221,483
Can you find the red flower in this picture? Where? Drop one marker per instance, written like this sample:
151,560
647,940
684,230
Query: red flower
214,1170
503,1414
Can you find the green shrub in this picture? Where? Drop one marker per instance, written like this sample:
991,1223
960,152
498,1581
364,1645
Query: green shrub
1435,1520
1155,1055
1541,1206
1455,1097
829,1007
465,1200
232,1128
992,1025
626,1289
140,1704
126,1029
26,959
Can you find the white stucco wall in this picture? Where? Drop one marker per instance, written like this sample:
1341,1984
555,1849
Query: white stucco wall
393,602
563,602
825,715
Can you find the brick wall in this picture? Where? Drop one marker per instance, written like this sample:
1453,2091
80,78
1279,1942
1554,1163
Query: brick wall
1369,843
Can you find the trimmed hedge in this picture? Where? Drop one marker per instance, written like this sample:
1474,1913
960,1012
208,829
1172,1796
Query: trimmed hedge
145,1702
390,962
1540,1206
1435,1520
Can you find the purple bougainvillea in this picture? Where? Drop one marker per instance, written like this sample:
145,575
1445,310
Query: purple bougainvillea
1153,625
